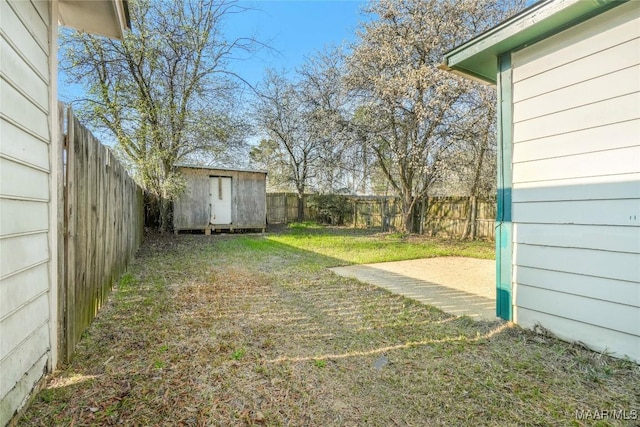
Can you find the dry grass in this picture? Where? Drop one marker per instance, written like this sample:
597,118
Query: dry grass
244,330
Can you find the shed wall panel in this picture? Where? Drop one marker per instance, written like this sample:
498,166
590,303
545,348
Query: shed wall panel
248,210
250,199
191,209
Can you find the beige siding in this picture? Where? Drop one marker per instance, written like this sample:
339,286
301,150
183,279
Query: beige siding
24,200
607,137
576,182
26,148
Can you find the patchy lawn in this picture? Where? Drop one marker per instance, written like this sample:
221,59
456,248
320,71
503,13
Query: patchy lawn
253,330
360,246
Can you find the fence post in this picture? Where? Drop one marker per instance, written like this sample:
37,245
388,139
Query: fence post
355,213
69,241
62,238
285,196
425,221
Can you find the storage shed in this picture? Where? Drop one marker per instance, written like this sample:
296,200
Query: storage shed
221,199
568,244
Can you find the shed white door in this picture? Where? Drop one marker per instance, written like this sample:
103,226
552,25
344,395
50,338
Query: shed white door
220,200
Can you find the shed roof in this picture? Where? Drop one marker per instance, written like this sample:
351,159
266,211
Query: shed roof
478,58
108,18
189,166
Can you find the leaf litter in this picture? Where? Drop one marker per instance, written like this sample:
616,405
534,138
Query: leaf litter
235,331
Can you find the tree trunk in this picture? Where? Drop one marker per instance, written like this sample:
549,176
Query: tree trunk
164,206
300,207
407,214
470,225
467,223
474,217
423,203
355,213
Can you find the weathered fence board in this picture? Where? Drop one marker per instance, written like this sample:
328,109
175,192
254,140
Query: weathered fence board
443,216
103,217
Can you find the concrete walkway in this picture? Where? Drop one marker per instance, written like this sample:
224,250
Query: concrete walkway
456,285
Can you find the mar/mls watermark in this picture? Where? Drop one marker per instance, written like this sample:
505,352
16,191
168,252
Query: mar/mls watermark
607,414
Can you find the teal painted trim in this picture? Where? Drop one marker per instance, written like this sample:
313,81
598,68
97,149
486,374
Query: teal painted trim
476,58
504,240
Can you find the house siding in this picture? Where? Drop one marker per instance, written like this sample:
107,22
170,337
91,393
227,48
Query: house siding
25,197
576,183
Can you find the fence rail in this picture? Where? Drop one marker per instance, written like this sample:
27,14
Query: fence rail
102,220
442,216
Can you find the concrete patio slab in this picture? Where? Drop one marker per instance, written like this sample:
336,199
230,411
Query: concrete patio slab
456,285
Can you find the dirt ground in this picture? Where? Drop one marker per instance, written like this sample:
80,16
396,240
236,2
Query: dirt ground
250,331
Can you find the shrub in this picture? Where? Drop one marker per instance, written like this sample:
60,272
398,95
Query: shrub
331,208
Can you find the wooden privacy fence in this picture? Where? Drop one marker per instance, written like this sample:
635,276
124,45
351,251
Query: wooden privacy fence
282,208
448,216
442,216
101,220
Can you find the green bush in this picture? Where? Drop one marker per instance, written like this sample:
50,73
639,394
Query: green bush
331,208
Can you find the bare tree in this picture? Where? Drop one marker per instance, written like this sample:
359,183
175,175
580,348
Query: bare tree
164,93
326,103
280,111
269,156
408,106
306,117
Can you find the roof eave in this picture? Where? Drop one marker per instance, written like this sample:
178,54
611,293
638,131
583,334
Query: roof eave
221,168
485,80
109,18
477,58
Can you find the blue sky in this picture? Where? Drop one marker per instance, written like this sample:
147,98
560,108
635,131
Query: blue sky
294,30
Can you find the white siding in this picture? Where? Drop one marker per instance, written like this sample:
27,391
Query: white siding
24,200
576,182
